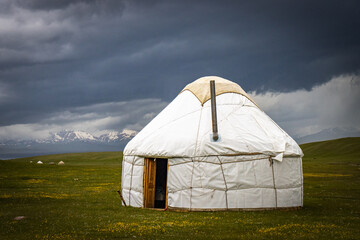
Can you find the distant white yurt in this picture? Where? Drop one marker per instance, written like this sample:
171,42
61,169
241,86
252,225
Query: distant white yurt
196,157
39,162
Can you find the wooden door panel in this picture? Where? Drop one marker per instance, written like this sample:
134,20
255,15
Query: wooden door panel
149,182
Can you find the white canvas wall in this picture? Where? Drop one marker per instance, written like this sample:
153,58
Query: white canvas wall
132,181
221,182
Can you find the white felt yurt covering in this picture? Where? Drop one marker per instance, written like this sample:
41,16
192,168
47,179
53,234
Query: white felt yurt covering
254,164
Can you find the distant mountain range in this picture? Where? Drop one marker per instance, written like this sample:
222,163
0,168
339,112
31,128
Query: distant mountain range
69,136
66,141
328,134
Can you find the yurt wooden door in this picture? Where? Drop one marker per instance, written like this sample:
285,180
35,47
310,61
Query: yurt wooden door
155,183
149,182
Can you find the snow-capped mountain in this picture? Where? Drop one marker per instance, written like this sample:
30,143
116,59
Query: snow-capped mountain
330,133
109,137
67,136
126,134
70,136
66,141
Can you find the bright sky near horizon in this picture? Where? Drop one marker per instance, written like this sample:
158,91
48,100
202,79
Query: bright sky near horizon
109,65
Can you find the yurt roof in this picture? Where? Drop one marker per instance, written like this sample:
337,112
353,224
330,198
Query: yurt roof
184,127
200,88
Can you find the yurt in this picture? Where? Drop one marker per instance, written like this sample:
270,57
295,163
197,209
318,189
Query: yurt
212,148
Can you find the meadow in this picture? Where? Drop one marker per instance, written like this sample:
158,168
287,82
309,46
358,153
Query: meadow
79,200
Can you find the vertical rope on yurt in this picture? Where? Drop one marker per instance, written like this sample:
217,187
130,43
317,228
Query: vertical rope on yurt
273,175
192,159
301,177
226,188
132,171
122,173
143,182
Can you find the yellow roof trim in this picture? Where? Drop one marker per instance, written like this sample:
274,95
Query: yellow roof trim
201,88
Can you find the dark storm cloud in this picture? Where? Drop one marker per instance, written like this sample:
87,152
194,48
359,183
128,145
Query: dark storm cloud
57,55
48,5
330,105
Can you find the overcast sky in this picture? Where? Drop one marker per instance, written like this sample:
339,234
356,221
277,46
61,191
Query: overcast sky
108,65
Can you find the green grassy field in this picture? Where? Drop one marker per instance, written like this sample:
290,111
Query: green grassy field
79,201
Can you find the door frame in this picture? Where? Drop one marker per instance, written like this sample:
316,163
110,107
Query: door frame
147,162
